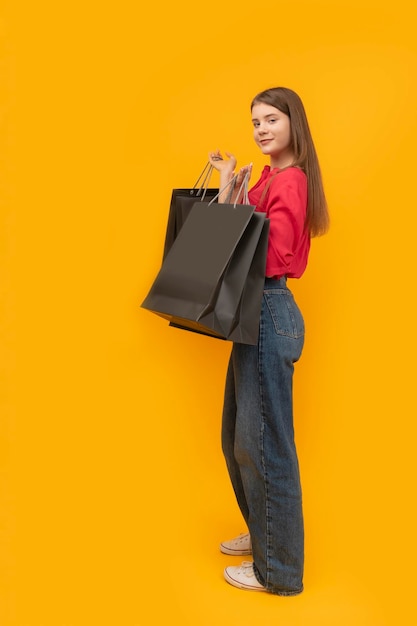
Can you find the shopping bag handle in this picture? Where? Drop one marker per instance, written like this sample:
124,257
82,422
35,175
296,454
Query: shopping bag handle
243,186
204,185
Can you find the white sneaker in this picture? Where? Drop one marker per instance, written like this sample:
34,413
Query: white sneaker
239,546
243,576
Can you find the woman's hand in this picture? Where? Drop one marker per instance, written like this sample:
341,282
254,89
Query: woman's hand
225,167
238,195
244,171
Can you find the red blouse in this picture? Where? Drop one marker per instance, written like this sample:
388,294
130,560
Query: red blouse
285,204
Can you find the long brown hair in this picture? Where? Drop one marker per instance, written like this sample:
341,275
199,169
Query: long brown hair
305,156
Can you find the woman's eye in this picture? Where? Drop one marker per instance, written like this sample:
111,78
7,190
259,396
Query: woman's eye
273,120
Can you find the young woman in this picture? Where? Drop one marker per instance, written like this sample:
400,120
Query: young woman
257,429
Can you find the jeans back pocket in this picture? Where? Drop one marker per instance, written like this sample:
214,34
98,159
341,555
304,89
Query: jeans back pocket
285,314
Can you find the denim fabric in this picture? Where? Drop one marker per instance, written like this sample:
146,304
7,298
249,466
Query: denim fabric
258,441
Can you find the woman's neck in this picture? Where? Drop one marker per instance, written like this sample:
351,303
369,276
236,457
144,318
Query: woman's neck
282,160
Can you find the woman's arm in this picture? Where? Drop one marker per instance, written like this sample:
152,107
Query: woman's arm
286,209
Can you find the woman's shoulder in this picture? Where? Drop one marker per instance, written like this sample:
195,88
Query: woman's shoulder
293,177
292,173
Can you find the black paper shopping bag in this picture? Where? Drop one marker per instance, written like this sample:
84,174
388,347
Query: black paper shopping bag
182,201
246,326
212,278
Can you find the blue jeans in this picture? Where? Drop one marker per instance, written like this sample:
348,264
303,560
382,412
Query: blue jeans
258,441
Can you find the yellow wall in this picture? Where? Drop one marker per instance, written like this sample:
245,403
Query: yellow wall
114,491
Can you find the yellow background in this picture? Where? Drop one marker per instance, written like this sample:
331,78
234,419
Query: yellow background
114,491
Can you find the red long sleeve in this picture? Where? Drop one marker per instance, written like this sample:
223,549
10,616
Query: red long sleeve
285,204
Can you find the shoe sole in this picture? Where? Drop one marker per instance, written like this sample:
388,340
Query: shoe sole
236,583
232,552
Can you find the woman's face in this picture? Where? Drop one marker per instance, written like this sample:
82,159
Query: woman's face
272,133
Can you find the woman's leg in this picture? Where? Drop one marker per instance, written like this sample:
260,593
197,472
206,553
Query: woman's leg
228,440
264,447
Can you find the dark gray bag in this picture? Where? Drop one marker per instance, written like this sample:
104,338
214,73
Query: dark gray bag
182,201
212,278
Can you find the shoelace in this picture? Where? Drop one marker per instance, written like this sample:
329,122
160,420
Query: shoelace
246,568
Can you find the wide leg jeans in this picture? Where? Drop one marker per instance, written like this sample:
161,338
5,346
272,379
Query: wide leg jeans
258,441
